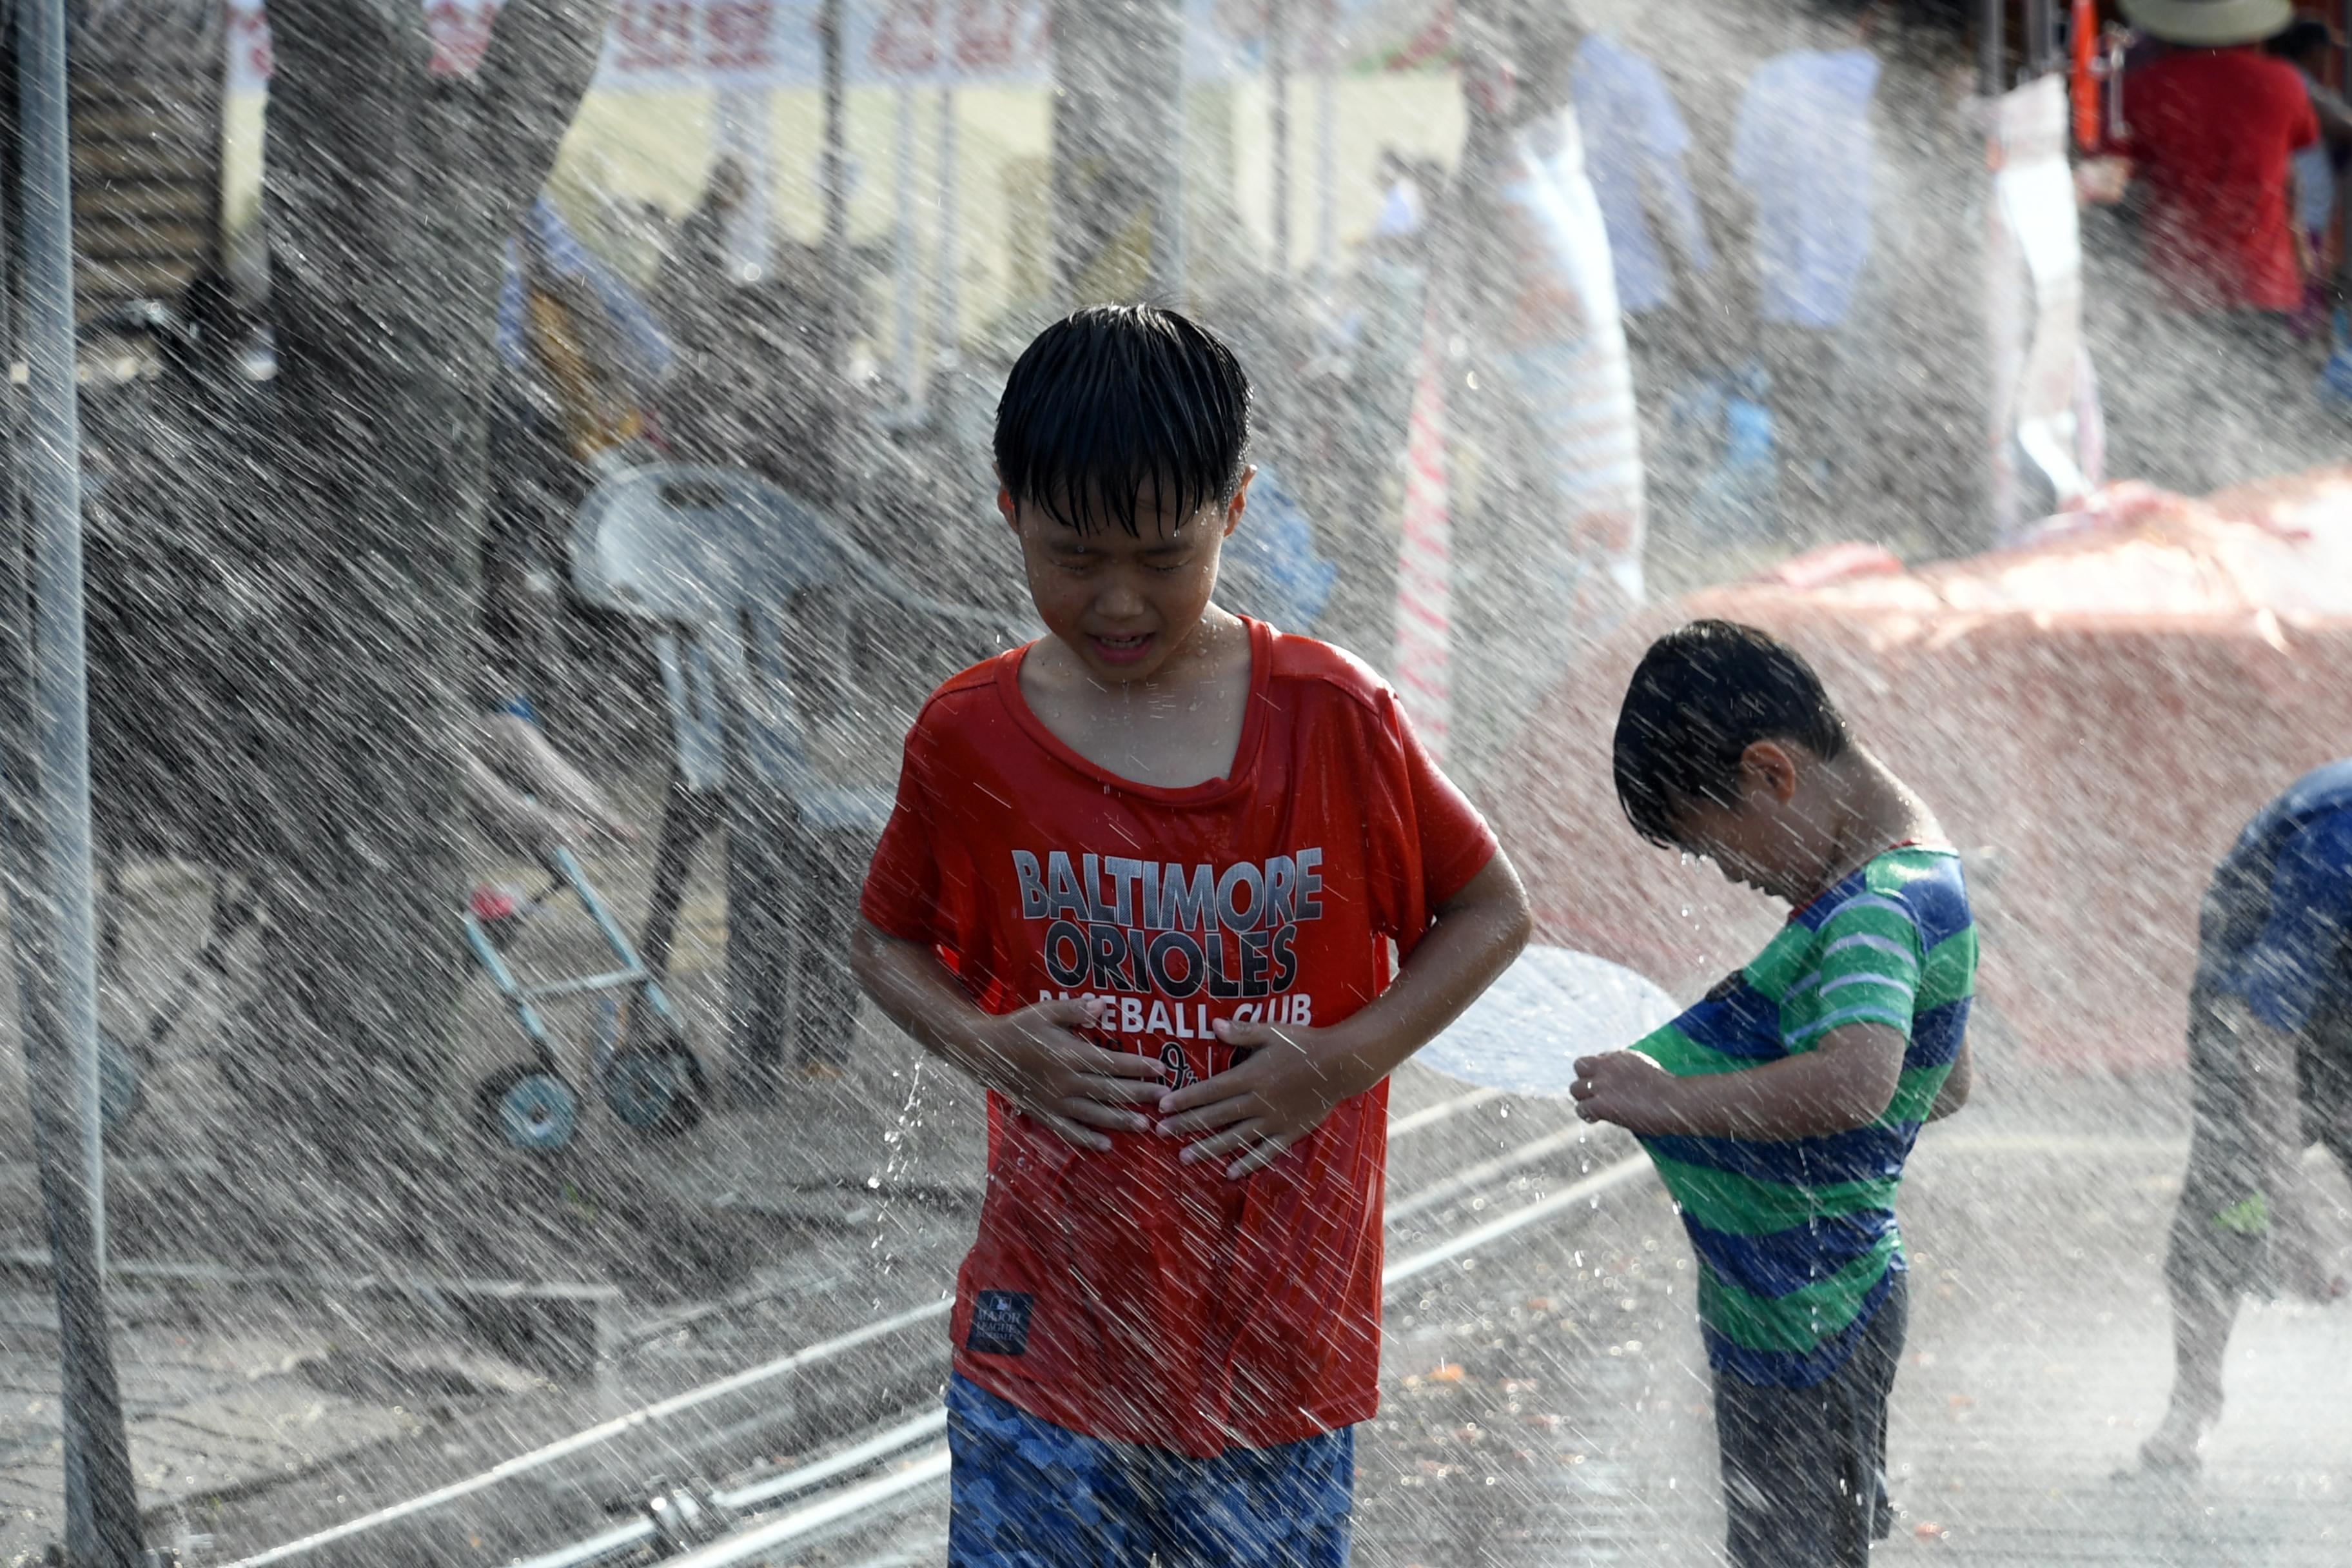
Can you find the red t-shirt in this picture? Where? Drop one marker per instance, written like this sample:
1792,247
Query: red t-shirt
2214,132
1123,1294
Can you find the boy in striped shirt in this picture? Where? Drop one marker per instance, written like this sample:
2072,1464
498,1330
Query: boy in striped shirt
1780,1108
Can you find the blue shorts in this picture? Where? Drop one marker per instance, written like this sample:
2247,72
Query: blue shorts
1029,1494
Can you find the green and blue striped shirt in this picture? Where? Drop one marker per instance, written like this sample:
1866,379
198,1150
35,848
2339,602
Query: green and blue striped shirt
1796,1239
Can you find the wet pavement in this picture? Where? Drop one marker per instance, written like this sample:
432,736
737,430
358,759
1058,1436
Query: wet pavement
1546,1398
860,1195
1548,1401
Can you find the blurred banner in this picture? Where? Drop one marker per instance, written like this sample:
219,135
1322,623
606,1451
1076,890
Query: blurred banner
665,44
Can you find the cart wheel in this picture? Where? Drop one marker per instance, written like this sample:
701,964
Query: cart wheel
533,1110
118,1082
656,1090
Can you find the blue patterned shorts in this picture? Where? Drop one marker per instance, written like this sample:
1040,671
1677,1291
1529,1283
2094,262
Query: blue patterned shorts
1029,1494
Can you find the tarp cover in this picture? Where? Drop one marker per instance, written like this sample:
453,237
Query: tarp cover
2093,715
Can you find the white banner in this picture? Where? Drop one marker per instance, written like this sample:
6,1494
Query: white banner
664,44
661,45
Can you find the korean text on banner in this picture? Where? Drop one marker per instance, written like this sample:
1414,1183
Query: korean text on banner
666,45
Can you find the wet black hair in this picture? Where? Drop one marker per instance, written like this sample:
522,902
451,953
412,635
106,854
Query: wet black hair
1698,700
2301,36
1115,399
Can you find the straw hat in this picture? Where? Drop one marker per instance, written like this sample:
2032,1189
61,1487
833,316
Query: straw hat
2211,24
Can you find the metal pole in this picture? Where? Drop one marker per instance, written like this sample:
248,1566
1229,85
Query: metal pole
947,331
1992,61
1277,127
1327,148
839,292
2004,303
2041,32
835,165
60,679
61,1006
902,243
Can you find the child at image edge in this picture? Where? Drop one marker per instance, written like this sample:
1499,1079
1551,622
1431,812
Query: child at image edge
1142,882
1779,1110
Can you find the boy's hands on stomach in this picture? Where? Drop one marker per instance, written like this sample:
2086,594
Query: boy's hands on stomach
1284,1082
1289,1077
1037,1059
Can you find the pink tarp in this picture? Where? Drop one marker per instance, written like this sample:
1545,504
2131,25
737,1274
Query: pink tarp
2093,715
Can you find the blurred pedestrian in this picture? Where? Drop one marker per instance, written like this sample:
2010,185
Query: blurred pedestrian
1532,514
700,266
2309,45
701,298
2269,1064
1781,1110
1803,150
587,348
1635,143
1141,883
1635,140
2215,124
580,355
1404,200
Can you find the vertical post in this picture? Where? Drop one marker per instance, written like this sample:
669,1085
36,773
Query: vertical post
60,679
1278,126
835,163
902,246
48,857
2040,34
216,199
1326,147
1992,49
947,330
244,256
2004,313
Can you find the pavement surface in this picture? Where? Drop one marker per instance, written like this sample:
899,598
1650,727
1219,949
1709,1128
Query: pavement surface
1546,1401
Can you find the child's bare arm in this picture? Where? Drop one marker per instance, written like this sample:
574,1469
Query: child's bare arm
1957,1085
1033,1057
1844,1082
1292,1077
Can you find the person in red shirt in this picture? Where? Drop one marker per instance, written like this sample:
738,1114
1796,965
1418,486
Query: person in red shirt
2215,125
1182,891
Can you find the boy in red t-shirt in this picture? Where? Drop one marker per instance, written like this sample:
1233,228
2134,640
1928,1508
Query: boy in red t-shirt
1142,883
